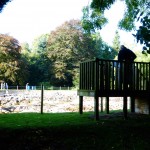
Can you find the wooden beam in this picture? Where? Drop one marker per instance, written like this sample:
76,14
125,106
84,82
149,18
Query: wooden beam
107,105
132,104
96,107
81,104
102,104
125,107
42,97
149,104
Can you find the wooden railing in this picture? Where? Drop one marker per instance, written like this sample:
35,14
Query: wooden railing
110,75
111,78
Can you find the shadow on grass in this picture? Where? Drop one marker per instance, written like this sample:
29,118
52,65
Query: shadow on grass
71,131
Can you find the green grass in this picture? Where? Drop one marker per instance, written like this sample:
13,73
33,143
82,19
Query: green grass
71,131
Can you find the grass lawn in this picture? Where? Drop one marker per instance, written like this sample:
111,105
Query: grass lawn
71,131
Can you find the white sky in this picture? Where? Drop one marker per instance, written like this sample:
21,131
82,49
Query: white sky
27,19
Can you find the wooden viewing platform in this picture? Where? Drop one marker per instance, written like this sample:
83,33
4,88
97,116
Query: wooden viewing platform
111,78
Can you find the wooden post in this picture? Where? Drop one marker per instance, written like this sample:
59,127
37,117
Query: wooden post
125,107
96,98
132,104
125,88
81,104
107,105
149,104
149,107
42,94
96,107
101,104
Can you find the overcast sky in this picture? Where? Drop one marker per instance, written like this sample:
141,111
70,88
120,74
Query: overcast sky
27,19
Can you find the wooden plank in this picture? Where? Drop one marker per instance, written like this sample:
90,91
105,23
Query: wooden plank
109,74
116,76
125,107
96,107
132,102
80,77
140,80
102,100
149,104
113,88
42,97
134,77
89,76
107,105
81,104
144,76
102,76
147,76
90,93
92,72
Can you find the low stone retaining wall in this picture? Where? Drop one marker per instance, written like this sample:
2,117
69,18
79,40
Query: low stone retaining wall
142,105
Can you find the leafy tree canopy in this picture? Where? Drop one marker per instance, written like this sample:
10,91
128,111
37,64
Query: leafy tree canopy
12,68
39,64
25,48
39,44
92,19
116,41
141,57
3,3
69,45
135,11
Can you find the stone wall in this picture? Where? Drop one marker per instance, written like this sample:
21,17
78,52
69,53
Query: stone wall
142,105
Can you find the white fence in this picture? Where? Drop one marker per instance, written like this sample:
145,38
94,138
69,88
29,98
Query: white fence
5,86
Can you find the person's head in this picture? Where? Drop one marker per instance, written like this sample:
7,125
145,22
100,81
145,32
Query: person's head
122,47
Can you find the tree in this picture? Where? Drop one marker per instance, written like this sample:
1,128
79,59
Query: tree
92,19
39,64
135,11
69,45
116,41
39,68
12,67
25,48
143,34
101,4
3,3
142,57
39,44
25,52
138,11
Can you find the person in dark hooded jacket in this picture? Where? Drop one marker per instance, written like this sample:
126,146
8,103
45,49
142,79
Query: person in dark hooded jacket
126,54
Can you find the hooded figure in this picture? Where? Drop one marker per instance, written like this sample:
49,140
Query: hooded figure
126,71
126,54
